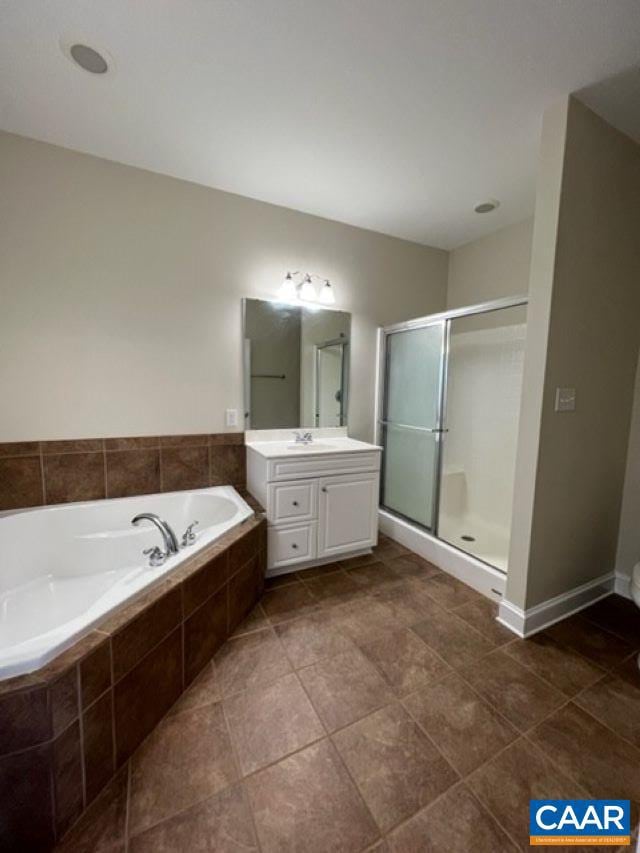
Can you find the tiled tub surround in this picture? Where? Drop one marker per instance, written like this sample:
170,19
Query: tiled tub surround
64,568
375,704
37,473
67,729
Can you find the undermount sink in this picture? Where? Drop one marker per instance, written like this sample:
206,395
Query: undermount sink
278,444
309,448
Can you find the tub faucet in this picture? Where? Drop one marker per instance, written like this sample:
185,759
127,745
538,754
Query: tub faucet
189,537
168,536
156,556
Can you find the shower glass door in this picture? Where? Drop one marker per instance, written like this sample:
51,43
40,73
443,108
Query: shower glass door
450,389
411,421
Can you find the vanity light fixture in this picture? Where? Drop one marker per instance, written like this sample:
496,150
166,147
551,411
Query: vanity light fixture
327,296
288,289
307,290
299,285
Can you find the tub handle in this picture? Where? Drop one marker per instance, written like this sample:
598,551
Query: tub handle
189,537
156,556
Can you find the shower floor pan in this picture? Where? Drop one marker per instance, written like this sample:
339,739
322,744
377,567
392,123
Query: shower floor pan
476,537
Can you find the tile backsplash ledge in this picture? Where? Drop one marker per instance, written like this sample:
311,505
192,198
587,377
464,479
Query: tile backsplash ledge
40,473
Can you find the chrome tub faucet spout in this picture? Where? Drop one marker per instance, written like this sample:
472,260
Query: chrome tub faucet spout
168,537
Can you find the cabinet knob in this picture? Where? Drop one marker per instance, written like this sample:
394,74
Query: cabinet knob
294,546
324,488
295,503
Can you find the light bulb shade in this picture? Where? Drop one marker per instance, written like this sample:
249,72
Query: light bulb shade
288,289
308,291
327,296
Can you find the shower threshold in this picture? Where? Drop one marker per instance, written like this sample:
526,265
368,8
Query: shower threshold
474,571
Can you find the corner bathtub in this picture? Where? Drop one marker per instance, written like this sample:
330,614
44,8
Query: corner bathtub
64,568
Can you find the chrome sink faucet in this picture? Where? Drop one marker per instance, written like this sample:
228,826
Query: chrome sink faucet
156,555
303,437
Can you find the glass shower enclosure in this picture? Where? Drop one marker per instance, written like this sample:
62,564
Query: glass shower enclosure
449,405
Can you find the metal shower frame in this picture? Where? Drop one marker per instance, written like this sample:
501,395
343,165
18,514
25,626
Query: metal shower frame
444,318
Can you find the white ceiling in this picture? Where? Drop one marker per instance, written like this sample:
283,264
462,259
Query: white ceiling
394,115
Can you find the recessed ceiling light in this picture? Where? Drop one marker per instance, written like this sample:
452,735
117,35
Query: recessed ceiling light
486,206
89,59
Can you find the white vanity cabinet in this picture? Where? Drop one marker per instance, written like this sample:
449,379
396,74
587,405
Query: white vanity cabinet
321,504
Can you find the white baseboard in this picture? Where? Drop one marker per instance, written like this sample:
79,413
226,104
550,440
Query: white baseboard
482,577
525,623
511,617
623,585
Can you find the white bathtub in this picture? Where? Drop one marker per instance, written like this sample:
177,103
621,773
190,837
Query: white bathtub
64,568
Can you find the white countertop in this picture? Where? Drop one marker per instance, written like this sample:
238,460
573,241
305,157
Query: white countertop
319,447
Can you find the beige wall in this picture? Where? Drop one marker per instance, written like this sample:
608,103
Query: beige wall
628,553
120,294
543,251
583,331
491,267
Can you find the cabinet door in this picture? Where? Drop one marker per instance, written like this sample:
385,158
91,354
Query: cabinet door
348,513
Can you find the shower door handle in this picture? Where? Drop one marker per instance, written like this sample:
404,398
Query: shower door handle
415,428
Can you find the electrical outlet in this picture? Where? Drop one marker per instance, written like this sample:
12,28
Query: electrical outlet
231,417
565,400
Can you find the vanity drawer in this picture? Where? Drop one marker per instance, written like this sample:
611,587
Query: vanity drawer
287,545
291,502
323,464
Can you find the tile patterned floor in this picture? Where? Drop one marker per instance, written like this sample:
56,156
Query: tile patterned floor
376,704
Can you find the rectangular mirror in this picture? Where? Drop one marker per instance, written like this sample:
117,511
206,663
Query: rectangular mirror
296,365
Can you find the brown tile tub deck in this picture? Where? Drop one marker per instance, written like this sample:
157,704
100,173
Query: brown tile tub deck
66,729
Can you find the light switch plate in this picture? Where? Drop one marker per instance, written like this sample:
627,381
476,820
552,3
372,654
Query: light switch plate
231,417
565,400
